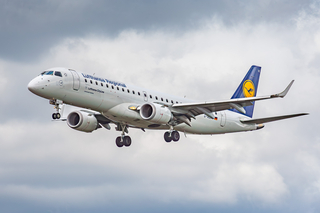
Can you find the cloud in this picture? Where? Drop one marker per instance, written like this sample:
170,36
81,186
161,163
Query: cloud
48,166
30,28
91,170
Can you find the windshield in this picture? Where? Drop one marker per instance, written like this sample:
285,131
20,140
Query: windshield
56,73
49,73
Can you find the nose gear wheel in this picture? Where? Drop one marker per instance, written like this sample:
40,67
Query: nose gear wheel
56,116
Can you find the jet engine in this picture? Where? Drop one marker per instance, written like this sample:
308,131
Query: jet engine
82,121
155,113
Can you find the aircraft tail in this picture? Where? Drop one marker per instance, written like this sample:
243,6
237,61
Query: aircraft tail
248,88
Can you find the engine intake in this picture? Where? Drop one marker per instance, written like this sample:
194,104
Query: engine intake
155,113
82,121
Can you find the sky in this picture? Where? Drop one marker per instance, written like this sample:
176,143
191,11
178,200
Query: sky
197,49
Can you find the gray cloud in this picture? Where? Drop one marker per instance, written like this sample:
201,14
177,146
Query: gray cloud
29,28
197,50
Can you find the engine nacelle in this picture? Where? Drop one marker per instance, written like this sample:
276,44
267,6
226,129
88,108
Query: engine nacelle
82,121
155,113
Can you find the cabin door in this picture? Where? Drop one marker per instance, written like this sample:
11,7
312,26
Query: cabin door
76,80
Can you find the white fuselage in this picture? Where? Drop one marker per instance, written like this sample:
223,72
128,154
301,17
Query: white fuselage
113,99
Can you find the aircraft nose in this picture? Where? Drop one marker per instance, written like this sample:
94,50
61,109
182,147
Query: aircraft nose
33,86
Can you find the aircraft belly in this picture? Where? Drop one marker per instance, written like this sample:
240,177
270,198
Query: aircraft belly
205,125
122,113
201,125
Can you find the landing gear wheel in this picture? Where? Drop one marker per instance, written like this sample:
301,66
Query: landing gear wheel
167,137
126,141
56,116
119,142
175,136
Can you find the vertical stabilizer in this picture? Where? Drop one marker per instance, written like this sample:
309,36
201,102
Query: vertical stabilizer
248,88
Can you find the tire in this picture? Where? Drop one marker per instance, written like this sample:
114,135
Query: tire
126,141
118,142
175,136
58,115
167,137
54,116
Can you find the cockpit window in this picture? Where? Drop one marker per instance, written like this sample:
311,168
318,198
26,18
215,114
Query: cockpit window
49,73
57,73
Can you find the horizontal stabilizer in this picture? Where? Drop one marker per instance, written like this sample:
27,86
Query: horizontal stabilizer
270,119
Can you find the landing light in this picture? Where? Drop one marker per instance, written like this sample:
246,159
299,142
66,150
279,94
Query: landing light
260,126
133,108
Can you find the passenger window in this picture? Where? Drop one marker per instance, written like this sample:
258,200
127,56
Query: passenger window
112,87
150,96
133,91
172,101
107,85
57,73
85,80
90,81
102,84
96,83
117,88
156,98
177,102
167,100
128,90
138,93
161,99
145,95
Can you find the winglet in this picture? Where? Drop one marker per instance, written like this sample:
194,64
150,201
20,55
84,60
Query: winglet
284,93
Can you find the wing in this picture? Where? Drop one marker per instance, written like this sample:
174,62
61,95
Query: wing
193,109
270,119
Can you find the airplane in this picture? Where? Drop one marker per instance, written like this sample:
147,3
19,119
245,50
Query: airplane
100,102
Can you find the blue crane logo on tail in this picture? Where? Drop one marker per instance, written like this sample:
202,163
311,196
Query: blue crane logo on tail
248,89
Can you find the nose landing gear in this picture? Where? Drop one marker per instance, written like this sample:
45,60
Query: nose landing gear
56,104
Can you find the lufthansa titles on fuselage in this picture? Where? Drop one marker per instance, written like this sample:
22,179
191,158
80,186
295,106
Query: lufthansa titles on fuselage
115,83
94,90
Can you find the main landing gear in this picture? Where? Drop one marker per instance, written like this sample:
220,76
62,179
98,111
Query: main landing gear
56,104
171,136
123,140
